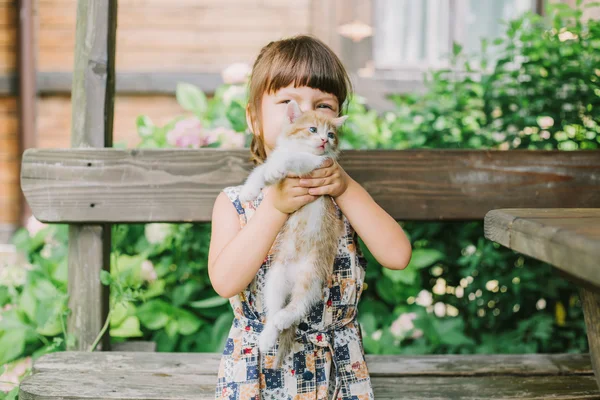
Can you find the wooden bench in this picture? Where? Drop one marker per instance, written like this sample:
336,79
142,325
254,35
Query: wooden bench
569,239
90,188
187,376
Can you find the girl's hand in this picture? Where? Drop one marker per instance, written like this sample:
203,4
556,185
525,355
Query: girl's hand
329,179
288,196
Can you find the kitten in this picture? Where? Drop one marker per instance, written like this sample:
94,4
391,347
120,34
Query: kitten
308,242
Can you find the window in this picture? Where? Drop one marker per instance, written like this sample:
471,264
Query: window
412,36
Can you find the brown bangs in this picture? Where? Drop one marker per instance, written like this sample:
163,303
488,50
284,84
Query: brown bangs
304,62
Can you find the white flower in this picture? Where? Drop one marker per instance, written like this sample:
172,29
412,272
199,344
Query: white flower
14,275
229,139
403,324
148,272
236,73
541,304
34,226
566,35
46,251
376,335
451,310
14,373
440,286
439,309
157,233
545,122
492,285
545,135
424,298
233,92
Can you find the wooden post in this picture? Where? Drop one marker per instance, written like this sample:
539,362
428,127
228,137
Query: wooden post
92,99
590,301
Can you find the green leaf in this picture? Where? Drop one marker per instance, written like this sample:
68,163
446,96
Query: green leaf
210,302
220,331
423,258
144,125
171,328
121,312
236,114
406,276
28,303
12,345
191,98
105,278
456,48
154,314
129,328
188,322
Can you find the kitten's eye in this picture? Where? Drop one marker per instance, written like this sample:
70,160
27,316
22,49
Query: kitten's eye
331,135
312,129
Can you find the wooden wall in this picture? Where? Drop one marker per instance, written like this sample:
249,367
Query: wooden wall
9,144
170,36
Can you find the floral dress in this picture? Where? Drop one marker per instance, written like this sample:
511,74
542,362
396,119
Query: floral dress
327,360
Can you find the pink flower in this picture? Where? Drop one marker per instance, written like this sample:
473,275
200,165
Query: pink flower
236,73
148,271
186,133
403,324
34,226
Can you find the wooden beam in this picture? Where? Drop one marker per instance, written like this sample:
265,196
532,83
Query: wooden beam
176,185
92,119
135,82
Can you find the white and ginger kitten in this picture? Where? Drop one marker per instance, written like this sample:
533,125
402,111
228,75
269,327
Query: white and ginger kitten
308,242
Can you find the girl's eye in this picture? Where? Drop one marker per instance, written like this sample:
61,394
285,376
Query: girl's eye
326,106
312,129
331,135
284,101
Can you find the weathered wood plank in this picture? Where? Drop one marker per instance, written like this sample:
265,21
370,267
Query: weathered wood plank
155,386
425,365
110,185
591,309
569,239
134,346
92,120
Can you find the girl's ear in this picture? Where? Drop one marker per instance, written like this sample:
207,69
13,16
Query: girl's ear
293,111
339,121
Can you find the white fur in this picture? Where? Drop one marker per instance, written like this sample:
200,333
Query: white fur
289,274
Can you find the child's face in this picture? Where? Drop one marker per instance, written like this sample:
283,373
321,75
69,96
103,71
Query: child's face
274,106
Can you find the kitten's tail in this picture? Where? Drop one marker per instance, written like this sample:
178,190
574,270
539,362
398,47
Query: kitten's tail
286,343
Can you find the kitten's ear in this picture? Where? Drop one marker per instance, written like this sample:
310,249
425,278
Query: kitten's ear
293,111
339,121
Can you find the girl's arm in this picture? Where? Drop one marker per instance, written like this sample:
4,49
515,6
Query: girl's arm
381,233
235,255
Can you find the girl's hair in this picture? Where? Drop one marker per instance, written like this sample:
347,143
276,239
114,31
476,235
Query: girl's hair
302,60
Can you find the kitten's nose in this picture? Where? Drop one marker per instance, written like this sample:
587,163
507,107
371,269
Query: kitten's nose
324,140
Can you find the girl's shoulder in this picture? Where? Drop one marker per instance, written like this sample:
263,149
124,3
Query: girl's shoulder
232,192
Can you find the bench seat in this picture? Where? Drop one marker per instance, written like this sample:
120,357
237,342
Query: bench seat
187,376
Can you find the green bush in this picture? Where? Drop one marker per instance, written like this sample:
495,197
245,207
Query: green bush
461,292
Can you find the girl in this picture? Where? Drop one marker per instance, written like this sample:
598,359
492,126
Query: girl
327,361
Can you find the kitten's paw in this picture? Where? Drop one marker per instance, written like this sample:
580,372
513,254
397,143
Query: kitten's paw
268,338
273,176
283,319
249,193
